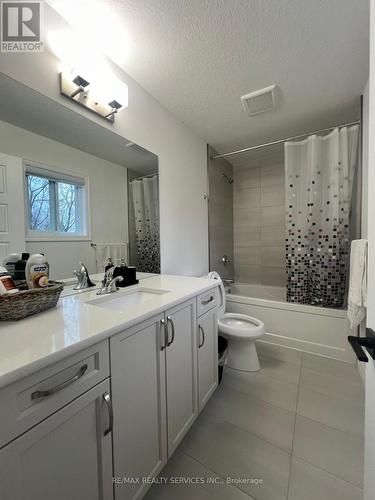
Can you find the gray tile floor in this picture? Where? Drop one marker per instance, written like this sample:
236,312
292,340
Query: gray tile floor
292,431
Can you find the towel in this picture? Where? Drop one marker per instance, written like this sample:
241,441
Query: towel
357,298
116,252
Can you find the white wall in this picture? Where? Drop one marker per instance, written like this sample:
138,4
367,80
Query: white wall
182,155
107,190
369,483
365,161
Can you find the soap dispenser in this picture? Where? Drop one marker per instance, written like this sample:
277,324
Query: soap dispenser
121,270
109,265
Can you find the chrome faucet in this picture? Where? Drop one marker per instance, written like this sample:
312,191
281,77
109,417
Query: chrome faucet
109,282
83,278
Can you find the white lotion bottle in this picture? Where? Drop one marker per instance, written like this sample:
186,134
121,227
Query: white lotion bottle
37,271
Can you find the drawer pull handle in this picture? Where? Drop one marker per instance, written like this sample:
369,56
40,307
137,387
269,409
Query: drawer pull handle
170,320
205,302
203,336
108,402
163,335
60,387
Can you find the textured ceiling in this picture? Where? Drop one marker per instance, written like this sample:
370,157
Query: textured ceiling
197,57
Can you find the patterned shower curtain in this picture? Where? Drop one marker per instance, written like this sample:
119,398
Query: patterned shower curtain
319,175
144,196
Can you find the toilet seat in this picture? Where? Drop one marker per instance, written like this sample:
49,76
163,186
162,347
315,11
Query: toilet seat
240,326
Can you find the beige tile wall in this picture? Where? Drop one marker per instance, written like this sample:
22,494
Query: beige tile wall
259,223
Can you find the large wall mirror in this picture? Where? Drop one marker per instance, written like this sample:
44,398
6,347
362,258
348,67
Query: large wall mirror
72,189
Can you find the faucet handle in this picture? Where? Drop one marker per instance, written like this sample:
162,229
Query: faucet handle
108,275
112,284
83,277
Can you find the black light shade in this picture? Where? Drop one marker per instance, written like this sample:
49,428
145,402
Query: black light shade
81,82
115,104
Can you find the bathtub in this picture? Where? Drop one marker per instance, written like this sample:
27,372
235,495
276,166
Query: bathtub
306,328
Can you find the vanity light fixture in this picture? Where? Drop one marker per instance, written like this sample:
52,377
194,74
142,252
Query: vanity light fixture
105,100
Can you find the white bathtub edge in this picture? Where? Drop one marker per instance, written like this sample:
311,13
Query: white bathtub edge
289,306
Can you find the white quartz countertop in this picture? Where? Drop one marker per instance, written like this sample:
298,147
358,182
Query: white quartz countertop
36,342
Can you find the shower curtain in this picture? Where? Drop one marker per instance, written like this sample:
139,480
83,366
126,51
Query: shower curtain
319,175
144,196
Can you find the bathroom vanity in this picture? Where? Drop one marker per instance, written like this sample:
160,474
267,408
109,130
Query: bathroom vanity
96,394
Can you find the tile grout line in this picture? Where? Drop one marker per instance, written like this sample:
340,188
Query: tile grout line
263,400
327,425
259,372
294,430
213,471
329,473
335,378
277,359
252,434
357,436
251,396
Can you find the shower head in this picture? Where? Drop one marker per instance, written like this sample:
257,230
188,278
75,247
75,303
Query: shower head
227,178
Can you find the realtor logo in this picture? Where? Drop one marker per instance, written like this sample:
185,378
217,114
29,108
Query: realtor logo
22,26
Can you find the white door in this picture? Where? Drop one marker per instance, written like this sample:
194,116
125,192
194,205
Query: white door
139,407
12,210
369,158
67,456
207,356
181,371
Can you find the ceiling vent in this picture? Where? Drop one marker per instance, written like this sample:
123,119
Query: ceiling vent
260,101
135,147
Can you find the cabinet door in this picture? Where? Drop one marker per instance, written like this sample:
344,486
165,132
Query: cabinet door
67,456
207,356
139,407
181,370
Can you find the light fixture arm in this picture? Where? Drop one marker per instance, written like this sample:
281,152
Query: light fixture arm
77,91
112,113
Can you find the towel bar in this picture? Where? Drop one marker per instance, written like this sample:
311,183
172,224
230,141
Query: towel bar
368,342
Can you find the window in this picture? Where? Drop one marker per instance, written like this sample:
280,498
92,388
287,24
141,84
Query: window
55,204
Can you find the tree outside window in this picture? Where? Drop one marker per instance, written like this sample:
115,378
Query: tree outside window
54,206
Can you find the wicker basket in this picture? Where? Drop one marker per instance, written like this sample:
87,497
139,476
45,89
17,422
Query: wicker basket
27,302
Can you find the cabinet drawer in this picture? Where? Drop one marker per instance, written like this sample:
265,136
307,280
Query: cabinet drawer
32,399
206,301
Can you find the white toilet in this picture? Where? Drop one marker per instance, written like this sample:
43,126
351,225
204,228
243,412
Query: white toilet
241,331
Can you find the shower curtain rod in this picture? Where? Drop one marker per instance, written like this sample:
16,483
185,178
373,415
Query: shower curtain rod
143,176
280,141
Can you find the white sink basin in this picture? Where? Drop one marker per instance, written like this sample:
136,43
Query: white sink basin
120,301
